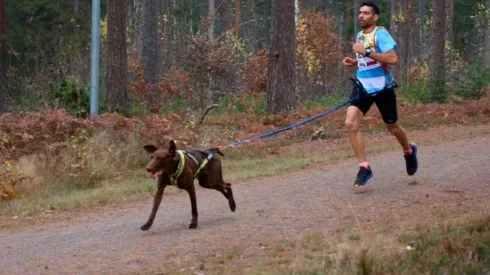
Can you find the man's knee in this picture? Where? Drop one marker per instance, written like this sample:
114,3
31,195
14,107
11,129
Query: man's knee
395,129
352,125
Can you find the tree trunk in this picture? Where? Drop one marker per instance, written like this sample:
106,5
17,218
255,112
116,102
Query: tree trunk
393,12
319,6
486,51
401,29
394,27
410,37
296,12
211,16
149,41
227,15
3,60
76,6
167,56
406,30
282,59
265,28
422,33
236,27
357,4
436,62
449,21
135,18
75,59
348,20
117,58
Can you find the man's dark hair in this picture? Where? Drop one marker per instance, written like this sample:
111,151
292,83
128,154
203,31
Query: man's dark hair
372,5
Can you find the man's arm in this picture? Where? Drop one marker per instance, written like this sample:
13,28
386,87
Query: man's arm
389,57
387,47
350,62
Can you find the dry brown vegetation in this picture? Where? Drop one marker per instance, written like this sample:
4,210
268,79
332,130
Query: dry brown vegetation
52,149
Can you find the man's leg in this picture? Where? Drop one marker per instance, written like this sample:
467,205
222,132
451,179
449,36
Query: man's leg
353,123
401,135
386,103
355,113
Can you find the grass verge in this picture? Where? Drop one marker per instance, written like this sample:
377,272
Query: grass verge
70,199
458,247
236,167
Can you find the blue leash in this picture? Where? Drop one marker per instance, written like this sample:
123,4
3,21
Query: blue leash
292,126
361,93
215,150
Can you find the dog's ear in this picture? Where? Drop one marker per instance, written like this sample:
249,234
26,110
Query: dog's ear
150,148
172,148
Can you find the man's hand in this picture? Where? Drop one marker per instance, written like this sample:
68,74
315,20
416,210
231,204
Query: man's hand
349,62
359,48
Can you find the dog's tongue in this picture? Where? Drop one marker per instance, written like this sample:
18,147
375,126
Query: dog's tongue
156,175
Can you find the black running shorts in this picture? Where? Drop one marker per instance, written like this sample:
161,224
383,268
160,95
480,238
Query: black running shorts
385,101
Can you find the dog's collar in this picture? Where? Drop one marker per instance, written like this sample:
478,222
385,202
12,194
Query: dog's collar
180,168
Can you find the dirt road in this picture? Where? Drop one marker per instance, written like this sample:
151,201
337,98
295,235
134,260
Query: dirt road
452,177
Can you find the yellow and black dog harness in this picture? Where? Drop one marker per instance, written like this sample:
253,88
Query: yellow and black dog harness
181,165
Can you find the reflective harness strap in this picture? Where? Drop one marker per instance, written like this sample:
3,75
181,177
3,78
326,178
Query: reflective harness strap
204,163
192,158
180,168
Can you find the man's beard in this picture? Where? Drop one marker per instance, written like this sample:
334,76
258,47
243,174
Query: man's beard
365,25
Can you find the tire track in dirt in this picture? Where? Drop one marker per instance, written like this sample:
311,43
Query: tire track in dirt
451,176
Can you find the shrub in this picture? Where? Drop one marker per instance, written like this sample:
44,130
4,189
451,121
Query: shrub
10,175
74,96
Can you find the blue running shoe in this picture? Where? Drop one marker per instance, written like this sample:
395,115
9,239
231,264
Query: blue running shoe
363,176
411,160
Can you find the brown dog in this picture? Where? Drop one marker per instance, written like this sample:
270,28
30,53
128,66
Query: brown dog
164,164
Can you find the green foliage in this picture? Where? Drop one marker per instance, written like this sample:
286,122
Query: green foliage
326,101
239,104
50,42
384,17
470,81
473,80
416,92
261,105
464,22
74,96
139,109
176,105
437,86
71,95
47,40
41,31
226,102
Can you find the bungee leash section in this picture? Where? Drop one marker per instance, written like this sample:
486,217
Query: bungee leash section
361,93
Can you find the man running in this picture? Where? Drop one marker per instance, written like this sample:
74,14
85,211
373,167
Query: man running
375,50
